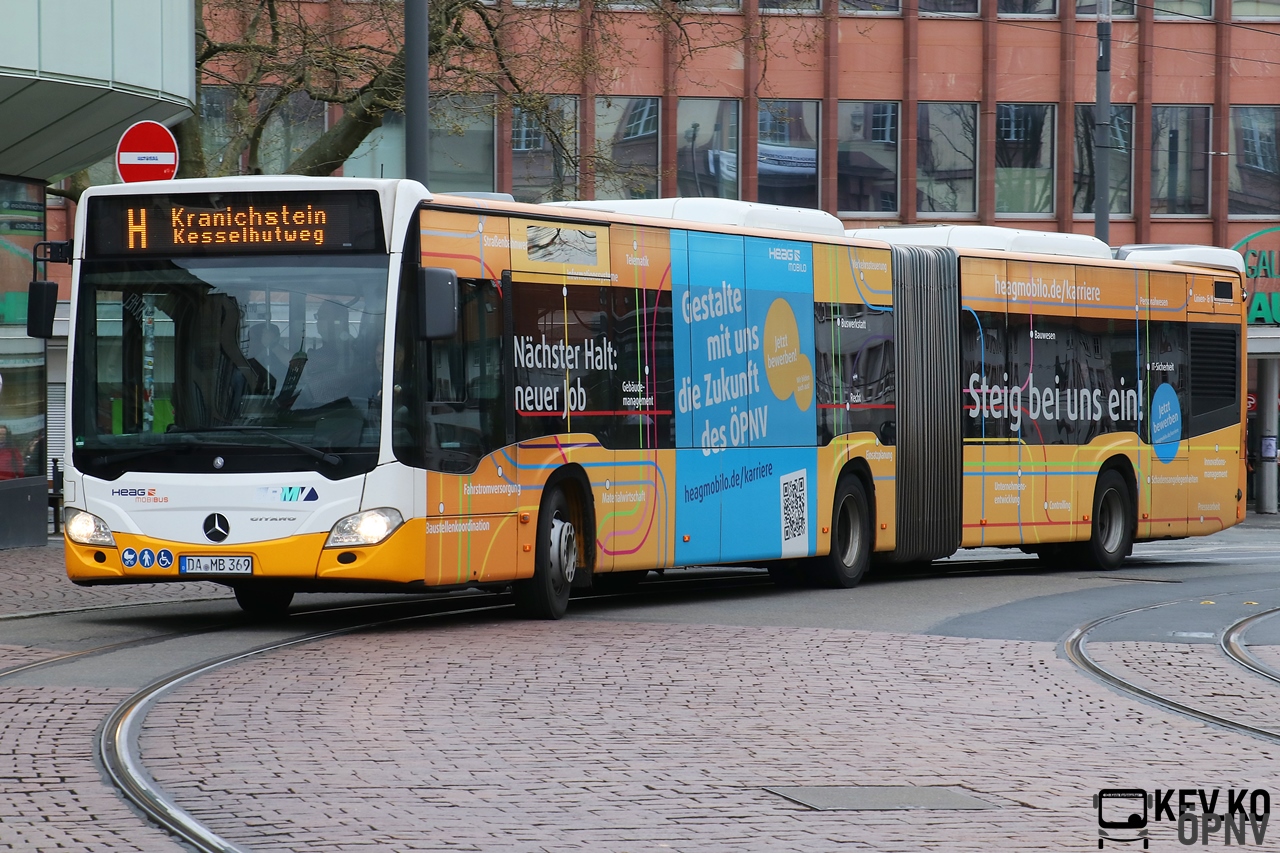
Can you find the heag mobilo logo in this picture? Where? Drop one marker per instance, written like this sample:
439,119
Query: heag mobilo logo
1202,816
140,496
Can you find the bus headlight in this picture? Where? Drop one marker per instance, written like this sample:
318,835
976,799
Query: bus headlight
87,529
364,528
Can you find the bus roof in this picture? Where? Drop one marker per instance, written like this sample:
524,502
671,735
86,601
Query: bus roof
989,237
1213,257
720,211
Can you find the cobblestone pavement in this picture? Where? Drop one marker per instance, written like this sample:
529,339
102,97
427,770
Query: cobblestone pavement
625,736
52,794
35,581
500,735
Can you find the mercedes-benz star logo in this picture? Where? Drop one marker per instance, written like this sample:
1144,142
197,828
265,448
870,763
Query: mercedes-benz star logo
216,527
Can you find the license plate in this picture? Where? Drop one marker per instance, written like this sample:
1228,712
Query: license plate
215,565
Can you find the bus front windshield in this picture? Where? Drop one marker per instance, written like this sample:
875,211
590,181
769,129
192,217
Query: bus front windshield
266,363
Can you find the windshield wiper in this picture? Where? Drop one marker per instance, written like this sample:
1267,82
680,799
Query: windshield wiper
314,453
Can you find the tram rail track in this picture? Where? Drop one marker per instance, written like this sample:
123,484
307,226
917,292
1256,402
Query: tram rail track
119,737
1231,643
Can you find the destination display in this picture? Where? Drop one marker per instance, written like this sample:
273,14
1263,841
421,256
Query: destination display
235,223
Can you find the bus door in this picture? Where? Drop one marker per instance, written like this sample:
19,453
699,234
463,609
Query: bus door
1165,485
1041,453
992,497
635,527
708,289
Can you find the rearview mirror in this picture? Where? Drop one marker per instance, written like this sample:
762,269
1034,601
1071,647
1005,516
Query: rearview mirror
42,302
437,303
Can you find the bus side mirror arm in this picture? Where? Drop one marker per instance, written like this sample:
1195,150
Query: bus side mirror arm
437,303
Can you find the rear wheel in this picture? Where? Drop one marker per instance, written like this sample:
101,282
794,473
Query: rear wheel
555,563
1112,537
851,539
264,602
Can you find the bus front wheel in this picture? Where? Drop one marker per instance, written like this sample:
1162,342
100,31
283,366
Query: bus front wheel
263,602
851,543
1111,539
555,562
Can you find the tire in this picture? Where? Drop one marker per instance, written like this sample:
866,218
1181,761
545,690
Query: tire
264,602
1111,539
851,538
617,582
555,562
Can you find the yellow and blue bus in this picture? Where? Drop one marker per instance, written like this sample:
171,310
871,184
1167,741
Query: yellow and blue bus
291,384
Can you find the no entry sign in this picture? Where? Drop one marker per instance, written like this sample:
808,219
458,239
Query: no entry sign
147,152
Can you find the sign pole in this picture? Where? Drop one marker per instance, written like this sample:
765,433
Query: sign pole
417,124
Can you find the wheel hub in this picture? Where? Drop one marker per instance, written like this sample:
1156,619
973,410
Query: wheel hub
564,549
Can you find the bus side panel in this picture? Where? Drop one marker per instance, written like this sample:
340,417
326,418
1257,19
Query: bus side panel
470,523
636,518
475,245
539,459
1215,454
768,503
879,459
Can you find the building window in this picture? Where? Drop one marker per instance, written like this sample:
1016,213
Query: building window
1027,7
870,6
787,153
1180,160
1024,158
867,162
460,150
948,7
790,5
946,158
774,127
544,150
295,124
642,118
1184,9
526,133
707,160
1253,179
626,155
1255,9
884,123
1121,165
1119,8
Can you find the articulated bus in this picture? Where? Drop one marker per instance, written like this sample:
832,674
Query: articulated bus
293,384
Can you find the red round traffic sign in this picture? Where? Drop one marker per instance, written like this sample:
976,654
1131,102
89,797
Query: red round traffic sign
147,152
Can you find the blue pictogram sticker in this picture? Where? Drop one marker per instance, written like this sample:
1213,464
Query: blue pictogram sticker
164,559
147,558
128,556
1166,423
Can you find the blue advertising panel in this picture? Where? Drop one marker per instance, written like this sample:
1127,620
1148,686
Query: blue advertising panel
712,383
779,341
768,499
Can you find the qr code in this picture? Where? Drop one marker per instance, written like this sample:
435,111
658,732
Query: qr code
795,515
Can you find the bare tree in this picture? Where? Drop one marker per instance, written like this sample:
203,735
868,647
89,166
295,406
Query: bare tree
267,68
